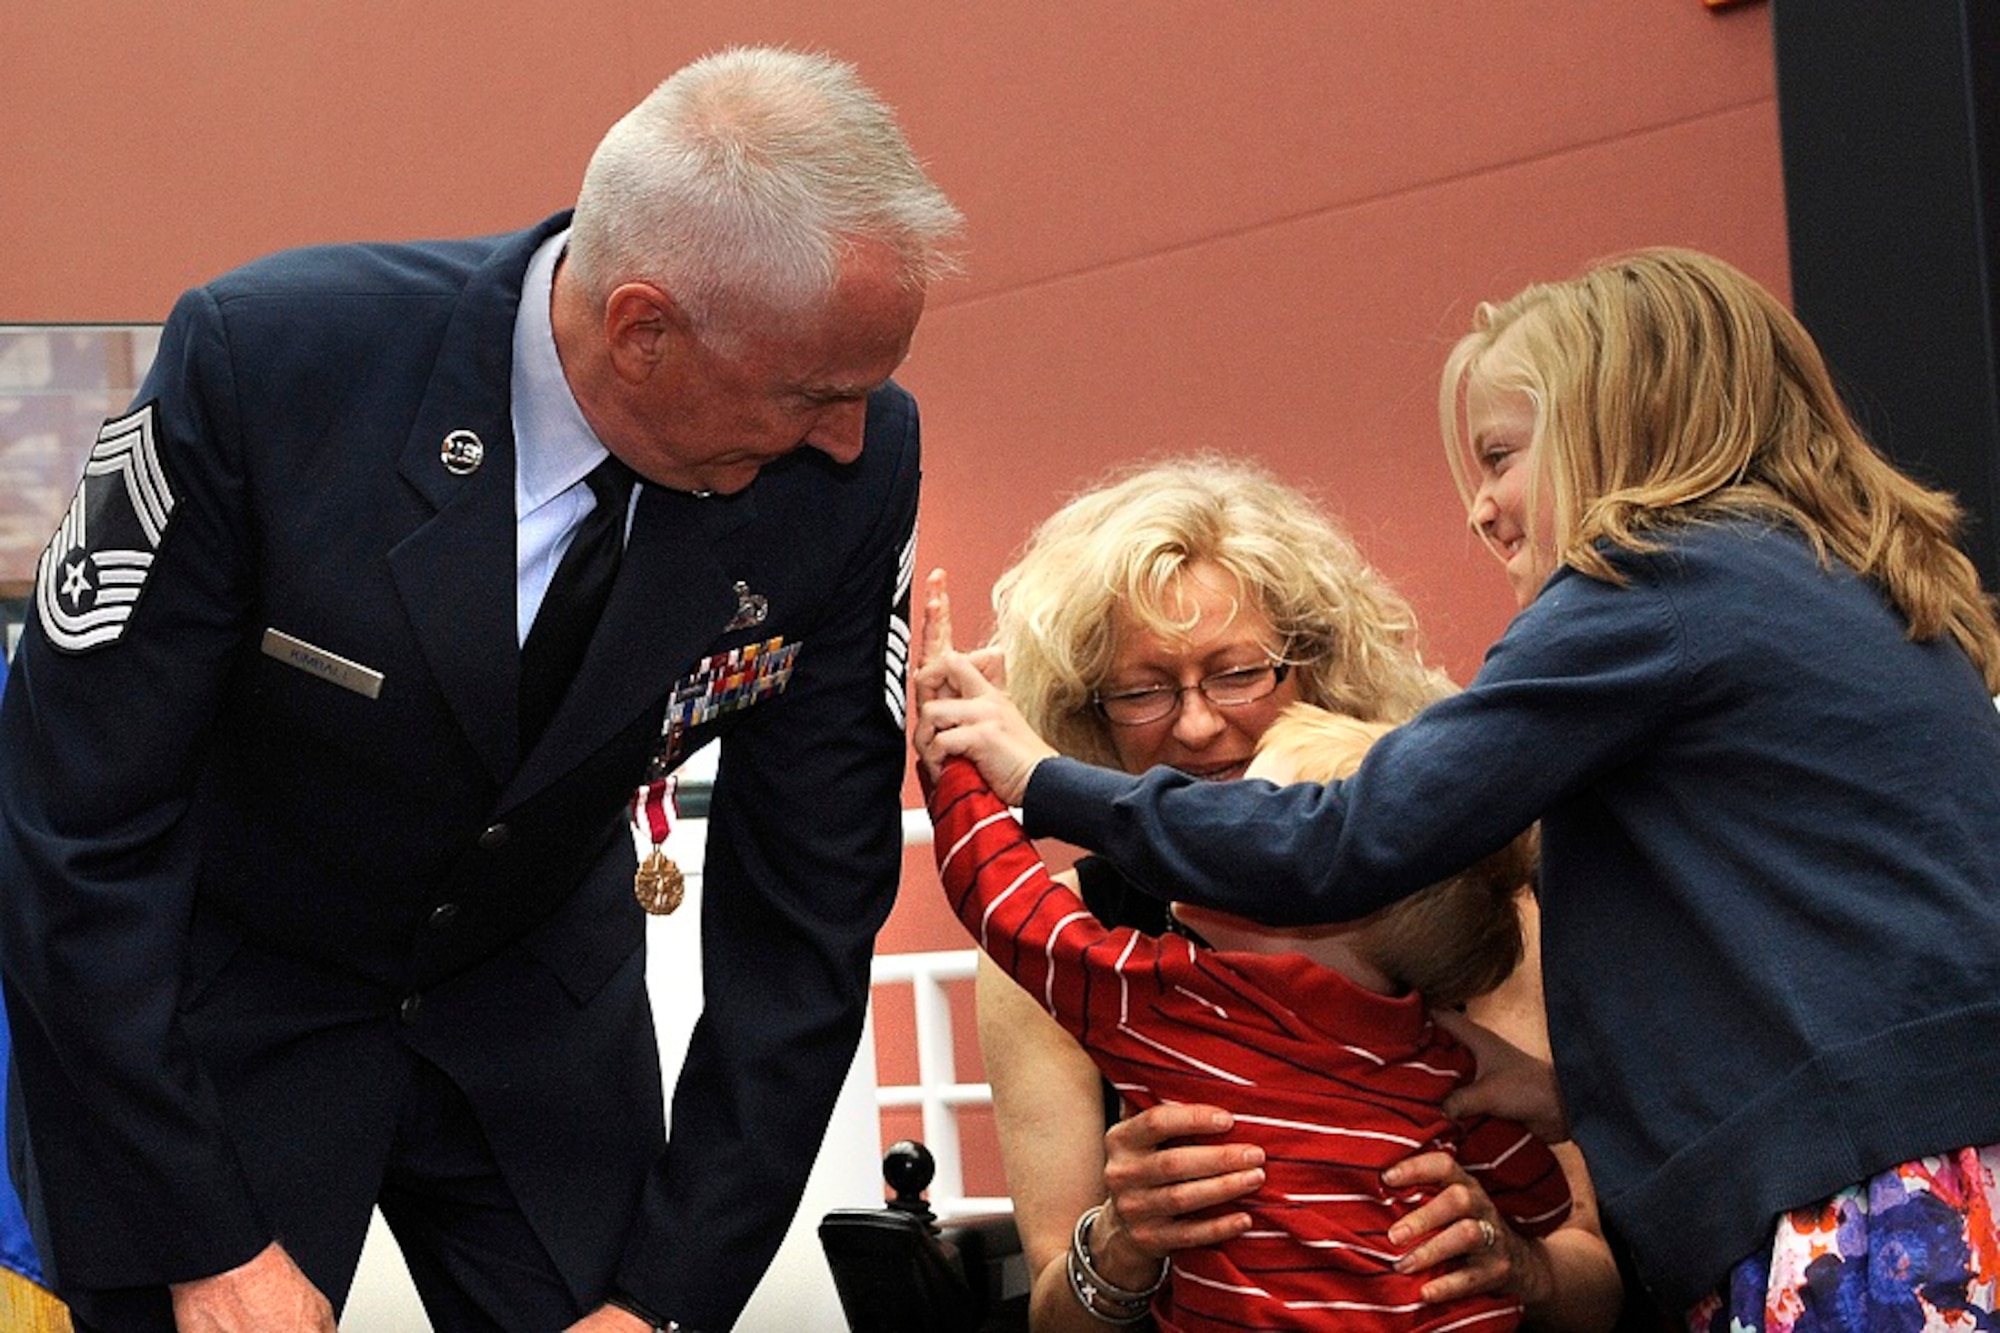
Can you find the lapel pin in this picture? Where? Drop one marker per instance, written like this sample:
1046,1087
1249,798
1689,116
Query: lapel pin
462,453
751,608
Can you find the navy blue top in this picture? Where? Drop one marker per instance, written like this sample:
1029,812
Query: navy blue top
17,1248
239,888
1770,877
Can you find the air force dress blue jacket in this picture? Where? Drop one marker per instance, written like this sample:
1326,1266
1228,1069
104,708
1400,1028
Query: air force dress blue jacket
264,818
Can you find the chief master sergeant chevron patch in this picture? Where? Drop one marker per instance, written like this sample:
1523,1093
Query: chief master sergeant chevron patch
95,567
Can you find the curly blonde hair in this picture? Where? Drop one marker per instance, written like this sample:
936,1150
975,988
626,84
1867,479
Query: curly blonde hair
1123,543
1671,388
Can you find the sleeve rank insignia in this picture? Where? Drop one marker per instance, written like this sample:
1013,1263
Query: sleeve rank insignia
95,566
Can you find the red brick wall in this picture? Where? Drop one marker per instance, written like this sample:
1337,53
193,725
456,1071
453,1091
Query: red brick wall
1193,223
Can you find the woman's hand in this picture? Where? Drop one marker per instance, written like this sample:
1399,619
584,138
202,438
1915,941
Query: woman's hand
1156,1180
1511,1083
1459,1223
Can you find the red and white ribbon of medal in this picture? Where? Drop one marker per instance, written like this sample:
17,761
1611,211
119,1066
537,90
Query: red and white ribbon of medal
658,884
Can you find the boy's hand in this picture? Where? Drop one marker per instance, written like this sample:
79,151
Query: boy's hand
933,646
936,639
959,696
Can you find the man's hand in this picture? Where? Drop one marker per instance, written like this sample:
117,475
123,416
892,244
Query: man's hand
610,1319
266,1295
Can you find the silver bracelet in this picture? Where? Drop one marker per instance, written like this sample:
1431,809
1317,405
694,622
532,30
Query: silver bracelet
1101,1299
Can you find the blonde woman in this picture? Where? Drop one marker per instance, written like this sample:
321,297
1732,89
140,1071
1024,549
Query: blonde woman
1167,617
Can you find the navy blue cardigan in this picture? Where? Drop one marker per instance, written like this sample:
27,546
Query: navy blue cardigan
224,875
1770,881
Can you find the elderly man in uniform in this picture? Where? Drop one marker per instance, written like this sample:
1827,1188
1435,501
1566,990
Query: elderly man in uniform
346,723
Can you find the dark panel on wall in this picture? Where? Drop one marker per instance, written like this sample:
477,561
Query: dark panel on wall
1890,122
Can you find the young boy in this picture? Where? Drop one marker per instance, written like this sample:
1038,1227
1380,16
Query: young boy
1317,1039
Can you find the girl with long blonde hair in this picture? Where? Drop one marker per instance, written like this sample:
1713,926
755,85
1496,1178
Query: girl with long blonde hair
1749,698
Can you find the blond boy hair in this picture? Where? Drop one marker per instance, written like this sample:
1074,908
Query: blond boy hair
1453,940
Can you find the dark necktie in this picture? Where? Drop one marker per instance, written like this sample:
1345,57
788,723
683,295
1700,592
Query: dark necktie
575,599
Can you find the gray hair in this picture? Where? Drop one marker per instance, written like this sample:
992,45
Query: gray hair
736,184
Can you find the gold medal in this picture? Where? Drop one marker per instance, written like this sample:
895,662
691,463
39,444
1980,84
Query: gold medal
659,885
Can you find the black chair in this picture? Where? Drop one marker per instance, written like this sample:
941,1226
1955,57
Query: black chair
898,1271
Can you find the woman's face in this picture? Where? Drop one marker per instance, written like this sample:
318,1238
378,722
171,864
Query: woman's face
1198,738
1500,426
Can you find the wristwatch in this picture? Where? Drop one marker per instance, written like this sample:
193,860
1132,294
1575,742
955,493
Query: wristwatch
653,1321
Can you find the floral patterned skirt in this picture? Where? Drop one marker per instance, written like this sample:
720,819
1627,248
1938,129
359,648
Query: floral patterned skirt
1916,1249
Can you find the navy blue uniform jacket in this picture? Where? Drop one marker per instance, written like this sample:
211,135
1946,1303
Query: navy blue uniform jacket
233,886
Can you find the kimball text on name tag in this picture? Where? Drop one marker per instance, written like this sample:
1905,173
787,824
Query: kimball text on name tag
319,662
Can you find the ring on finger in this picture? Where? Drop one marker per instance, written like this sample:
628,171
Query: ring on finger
1488,1237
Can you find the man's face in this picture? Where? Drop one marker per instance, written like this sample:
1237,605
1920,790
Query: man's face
716,410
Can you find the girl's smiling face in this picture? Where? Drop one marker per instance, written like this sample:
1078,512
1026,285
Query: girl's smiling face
1512,505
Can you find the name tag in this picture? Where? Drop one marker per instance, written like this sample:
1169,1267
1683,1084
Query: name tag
319,662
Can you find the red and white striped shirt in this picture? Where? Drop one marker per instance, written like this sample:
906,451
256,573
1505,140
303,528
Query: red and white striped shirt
1334,1082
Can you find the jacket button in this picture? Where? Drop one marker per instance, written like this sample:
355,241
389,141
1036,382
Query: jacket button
443,915
409,1008
495,837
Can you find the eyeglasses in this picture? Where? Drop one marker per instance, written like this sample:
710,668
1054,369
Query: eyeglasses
1225,689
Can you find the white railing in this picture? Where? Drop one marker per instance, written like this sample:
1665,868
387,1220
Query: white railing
937,1092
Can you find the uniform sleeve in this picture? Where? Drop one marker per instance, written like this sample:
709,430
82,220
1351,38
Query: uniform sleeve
141,610
1036,929
1519,1173
804,855
1579,684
